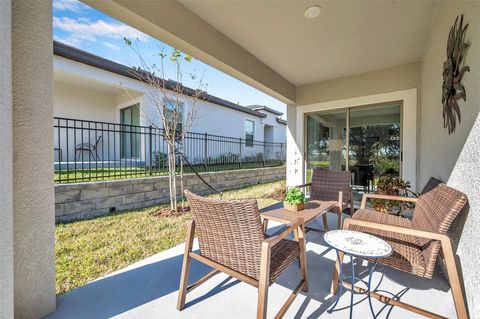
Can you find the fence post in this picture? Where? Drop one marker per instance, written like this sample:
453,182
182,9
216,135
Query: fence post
150,149
263,153
240,153
281,153
205,154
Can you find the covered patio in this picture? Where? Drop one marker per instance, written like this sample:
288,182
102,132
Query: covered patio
149,289
355,54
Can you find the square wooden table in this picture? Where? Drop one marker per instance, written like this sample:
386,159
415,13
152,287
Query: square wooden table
313,210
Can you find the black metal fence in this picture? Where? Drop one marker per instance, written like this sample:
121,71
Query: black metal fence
91,151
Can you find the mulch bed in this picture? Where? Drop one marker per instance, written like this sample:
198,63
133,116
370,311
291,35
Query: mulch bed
167,212
278,195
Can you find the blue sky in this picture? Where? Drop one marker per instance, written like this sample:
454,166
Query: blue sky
81,26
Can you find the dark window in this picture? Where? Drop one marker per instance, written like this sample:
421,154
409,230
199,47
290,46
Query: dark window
249,132
170,107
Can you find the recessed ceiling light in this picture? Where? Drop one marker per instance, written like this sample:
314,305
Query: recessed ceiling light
312,12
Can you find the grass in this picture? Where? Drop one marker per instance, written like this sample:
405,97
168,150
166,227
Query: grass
86,250
100,174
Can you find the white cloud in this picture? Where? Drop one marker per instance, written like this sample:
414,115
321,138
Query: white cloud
111,46
69,5
82,30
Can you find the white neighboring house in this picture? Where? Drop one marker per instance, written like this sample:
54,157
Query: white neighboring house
89,87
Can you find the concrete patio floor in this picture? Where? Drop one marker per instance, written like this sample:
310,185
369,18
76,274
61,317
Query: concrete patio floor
148,289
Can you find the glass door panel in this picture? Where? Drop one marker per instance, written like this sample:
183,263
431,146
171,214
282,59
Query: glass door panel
325,141
130,137
374,145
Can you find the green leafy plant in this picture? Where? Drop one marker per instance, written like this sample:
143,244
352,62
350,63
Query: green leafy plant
388,185
295,196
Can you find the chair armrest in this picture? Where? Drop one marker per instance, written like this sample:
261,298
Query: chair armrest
387,197
395,229
272,241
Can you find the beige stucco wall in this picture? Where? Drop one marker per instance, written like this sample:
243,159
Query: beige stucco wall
455,158
397,78
6,181
73,101
33,190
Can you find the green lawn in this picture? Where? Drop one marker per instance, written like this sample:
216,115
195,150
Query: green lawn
86,250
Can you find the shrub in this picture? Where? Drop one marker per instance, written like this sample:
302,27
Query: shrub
387,185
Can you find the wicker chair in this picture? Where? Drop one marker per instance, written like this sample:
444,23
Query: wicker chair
416,243
332,186
231,240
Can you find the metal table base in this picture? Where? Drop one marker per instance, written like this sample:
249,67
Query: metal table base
352,279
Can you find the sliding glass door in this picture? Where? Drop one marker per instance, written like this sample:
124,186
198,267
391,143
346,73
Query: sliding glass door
326,141
374,145
371,136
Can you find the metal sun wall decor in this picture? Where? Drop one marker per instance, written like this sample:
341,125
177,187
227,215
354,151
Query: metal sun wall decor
453,71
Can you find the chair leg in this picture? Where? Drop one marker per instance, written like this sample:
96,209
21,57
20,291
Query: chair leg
263,282
336,274
303,256
325,222
182,290
453,278
339,209
339,220
352,204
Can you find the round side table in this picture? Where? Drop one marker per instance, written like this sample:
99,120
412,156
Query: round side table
358,245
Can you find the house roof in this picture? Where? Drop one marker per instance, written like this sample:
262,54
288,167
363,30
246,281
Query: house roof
77,55
281,121
265,108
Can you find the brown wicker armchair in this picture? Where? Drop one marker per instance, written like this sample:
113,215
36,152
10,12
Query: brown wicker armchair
332,186
231,240
416,243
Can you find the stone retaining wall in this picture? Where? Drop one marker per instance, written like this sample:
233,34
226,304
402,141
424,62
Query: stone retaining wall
84,200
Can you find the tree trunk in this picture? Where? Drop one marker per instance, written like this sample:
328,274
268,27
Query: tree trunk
172,177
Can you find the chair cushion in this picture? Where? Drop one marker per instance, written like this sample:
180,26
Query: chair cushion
407,254
283,254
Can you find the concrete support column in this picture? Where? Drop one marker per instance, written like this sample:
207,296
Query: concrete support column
33,189
294,154
6,164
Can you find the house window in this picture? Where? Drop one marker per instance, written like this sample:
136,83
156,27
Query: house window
249,132
170,107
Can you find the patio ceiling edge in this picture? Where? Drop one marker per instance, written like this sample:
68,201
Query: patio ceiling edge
174,24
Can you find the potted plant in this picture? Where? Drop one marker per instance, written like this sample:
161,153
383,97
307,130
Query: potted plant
388,185
294,200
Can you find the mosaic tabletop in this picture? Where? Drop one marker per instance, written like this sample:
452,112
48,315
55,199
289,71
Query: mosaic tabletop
358,244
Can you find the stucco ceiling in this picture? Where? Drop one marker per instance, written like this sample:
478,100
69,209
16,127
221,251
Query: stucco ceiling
348,37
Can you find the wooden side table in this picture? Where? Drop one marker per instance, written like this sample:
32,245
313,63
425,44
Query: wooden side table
313,210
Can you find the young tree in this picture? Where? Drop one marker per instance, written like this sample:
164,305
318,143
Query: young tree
167,99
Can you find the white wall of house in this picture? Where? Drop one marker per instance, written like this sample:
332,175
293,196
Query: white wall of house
88,93
73,101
